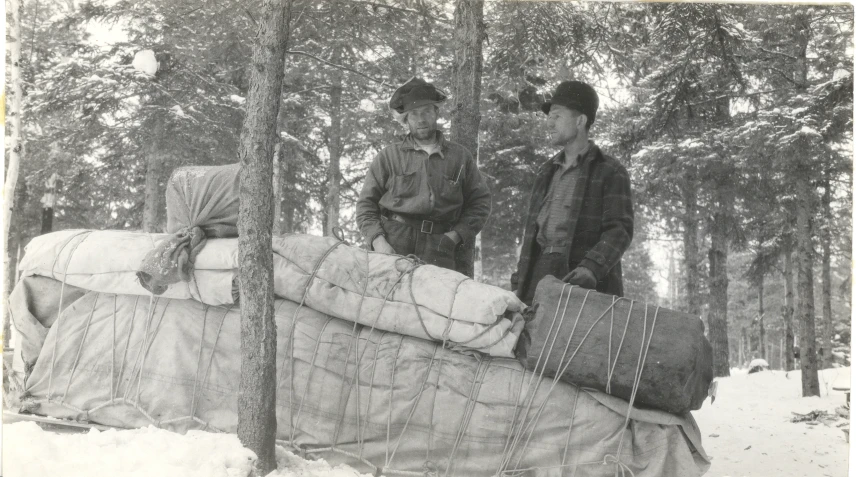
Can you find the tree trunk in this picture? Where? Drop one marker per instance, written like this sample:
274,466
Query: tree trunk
762,333
291,155
826,272
257,391
466,91
154,178
718,285
48,203
12,258
334,176
16,149
691,247
741,350
805,286
804,211
277,188
788,311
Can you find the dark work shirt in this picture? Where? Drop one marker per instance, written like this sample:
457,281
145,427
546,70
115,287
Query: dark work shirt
444,187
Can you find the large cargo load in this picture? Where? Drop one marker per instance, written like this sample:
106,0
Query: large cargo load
388,292
393,404
648,355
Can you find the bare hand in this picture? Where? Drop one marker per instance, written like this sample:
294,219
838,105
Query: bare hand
381,245
454,235
581,276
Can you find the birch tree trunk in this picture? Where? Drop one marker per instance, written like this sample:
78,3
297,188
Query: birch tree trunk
257,391
16,148
466,92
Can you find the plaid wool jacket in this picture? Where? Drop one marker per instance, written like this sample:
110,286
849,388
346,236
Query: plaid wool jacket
600,221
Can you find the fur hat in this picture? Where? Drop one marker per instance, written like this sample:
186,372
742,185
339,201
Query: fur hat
575,95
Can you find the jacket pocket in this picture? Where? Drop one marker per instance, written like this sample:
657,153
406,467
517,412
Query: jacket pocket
452,190
405,186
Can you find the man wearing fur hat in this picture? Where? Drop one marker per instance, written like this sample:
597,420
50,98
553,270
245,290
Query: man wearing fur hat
424,195
580,214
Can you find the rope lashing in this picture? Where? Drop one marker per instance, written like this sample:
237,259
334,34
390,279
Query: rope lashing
524,420
58,322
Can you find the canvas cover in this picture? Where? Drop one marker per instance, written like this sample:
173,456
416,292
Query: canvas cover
34,305
652,356
380,401
388,292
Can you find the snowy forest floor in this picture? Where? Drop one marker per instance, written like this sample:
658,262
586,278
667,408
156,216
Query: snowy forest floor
748,431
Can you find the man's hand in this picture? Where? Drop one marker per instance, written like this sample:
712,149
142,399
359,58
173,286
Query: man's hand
581,276
448,242
379,244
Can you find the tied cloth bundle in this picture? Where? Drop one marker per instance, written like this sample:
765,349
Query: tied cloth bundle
201,203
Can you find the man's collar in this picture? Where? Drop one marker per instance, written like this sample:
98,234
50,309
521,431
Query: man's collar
409,143
558,160
586,155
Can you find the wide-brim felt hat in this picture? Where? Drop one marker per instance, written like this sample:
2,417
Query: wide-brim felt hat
414,93
574,95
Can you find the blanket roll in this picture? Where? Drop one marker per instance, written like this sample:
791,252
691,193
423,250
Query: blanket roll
617,345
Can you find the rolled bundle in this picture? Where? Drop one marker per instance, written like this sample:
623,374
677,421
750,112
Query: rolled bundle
108,260
201,203
649,355
396,293
388,292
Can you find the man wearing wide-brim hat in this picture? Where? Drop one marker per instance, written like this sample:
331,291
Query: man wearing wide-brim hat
580,215
424,195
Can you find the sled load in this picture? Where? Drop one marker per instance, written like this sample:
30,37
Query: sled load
383,363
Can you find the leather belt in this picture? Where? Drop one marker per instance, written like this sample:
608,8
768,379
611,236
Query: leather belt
424,226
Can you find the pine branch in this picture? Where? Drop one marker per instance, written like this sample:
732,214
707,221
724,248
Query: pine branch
341,67
404,10
777,53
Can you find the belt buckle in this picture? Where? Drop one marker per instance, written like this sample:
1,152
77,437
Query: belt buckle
430,227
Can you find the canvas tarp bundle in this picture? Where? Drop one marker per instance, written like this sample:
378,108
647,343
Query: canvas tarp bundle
394,293
657,356
383,402
107,261
388,292
201,203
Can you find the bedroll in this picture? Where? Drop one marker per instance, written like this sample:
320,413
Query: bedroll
383,402
648,355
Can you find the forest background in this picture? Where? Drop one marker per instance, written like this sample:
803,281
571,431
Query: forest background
735,122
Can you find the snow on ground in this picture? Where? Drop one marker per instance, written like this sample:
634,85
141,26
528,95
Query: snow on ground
29,451
747,432
748,429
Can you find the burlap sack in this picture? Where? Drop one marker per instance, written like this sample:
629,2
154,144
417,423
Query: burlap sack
201,203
